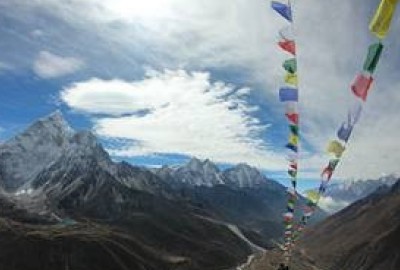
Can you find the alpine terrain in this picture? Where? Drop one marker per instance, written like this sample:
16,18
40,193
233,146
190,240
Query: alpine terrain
66,205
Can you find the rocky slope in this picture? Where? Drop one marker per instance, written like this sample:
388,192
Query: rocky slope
363,236
241,195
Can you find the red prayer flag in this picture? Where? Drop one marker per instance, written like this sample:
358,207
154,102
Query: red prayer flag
293,117
361,86
327,172
288,45
293,166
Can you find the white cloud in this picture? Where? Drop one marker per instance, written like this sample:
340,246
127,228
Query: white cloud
331,205
48,65
198,34
187,114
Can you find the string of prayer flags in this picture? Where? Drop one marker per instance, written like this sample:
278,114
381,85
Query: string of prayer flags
362,85
282,9
374,54
382,19
379,26
289,94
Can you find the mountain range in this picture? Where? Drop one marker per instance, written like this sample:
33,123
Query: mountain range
341,194
66,197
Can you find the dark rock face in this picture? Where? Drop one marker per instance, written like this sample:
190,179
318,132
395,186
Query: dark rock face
364,235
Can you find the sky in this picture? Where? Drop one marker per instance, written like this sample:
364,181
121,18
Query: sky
160,81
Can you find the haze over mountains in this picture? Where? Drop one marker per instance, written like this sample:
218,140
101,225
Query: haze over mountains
61,186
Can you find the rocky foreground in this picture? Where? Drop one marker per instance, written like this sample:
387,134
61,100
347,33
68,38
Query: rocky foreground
270,260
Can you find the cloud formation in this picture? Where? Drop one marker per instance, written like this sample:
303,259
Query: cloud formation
48,65
175,112
331,205
230,34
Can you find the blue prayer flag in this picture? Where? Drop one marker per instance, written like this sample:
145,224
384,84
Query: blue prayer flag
283,9
345,132
292,147
288,94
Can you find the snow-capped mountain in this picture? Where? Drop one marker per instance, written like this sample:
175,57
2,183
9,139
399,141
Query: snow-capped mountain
342,194
351,191
71,171
24,156
194,173
197,173
244,175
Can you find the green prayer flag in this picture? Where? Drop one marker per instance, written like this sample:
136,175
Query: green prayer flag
333,164
293,173
290,65
294,129
374,54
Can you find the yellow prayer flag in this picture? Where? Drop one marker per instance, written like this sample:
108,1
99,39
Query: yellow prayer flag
291,79
336,148
380,24
313,196
294,139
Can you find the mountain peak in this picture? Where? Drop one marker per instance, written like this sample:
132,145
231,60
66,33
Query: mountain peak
22,157
243,175
195,164
55,119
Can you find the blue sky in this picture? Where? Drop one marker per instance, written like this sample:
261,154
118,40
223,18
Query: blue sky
162,80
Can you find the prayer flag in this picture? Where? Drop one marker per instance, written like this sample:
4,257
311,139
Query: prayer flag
292,147
288,45
293,118
290,65
361,86
283,9
336,148
288,94
380,23
374,54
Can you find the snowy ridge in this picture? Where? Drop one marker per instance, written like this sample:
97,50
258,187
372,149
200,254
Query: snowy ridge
24,156
205,173
341,194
